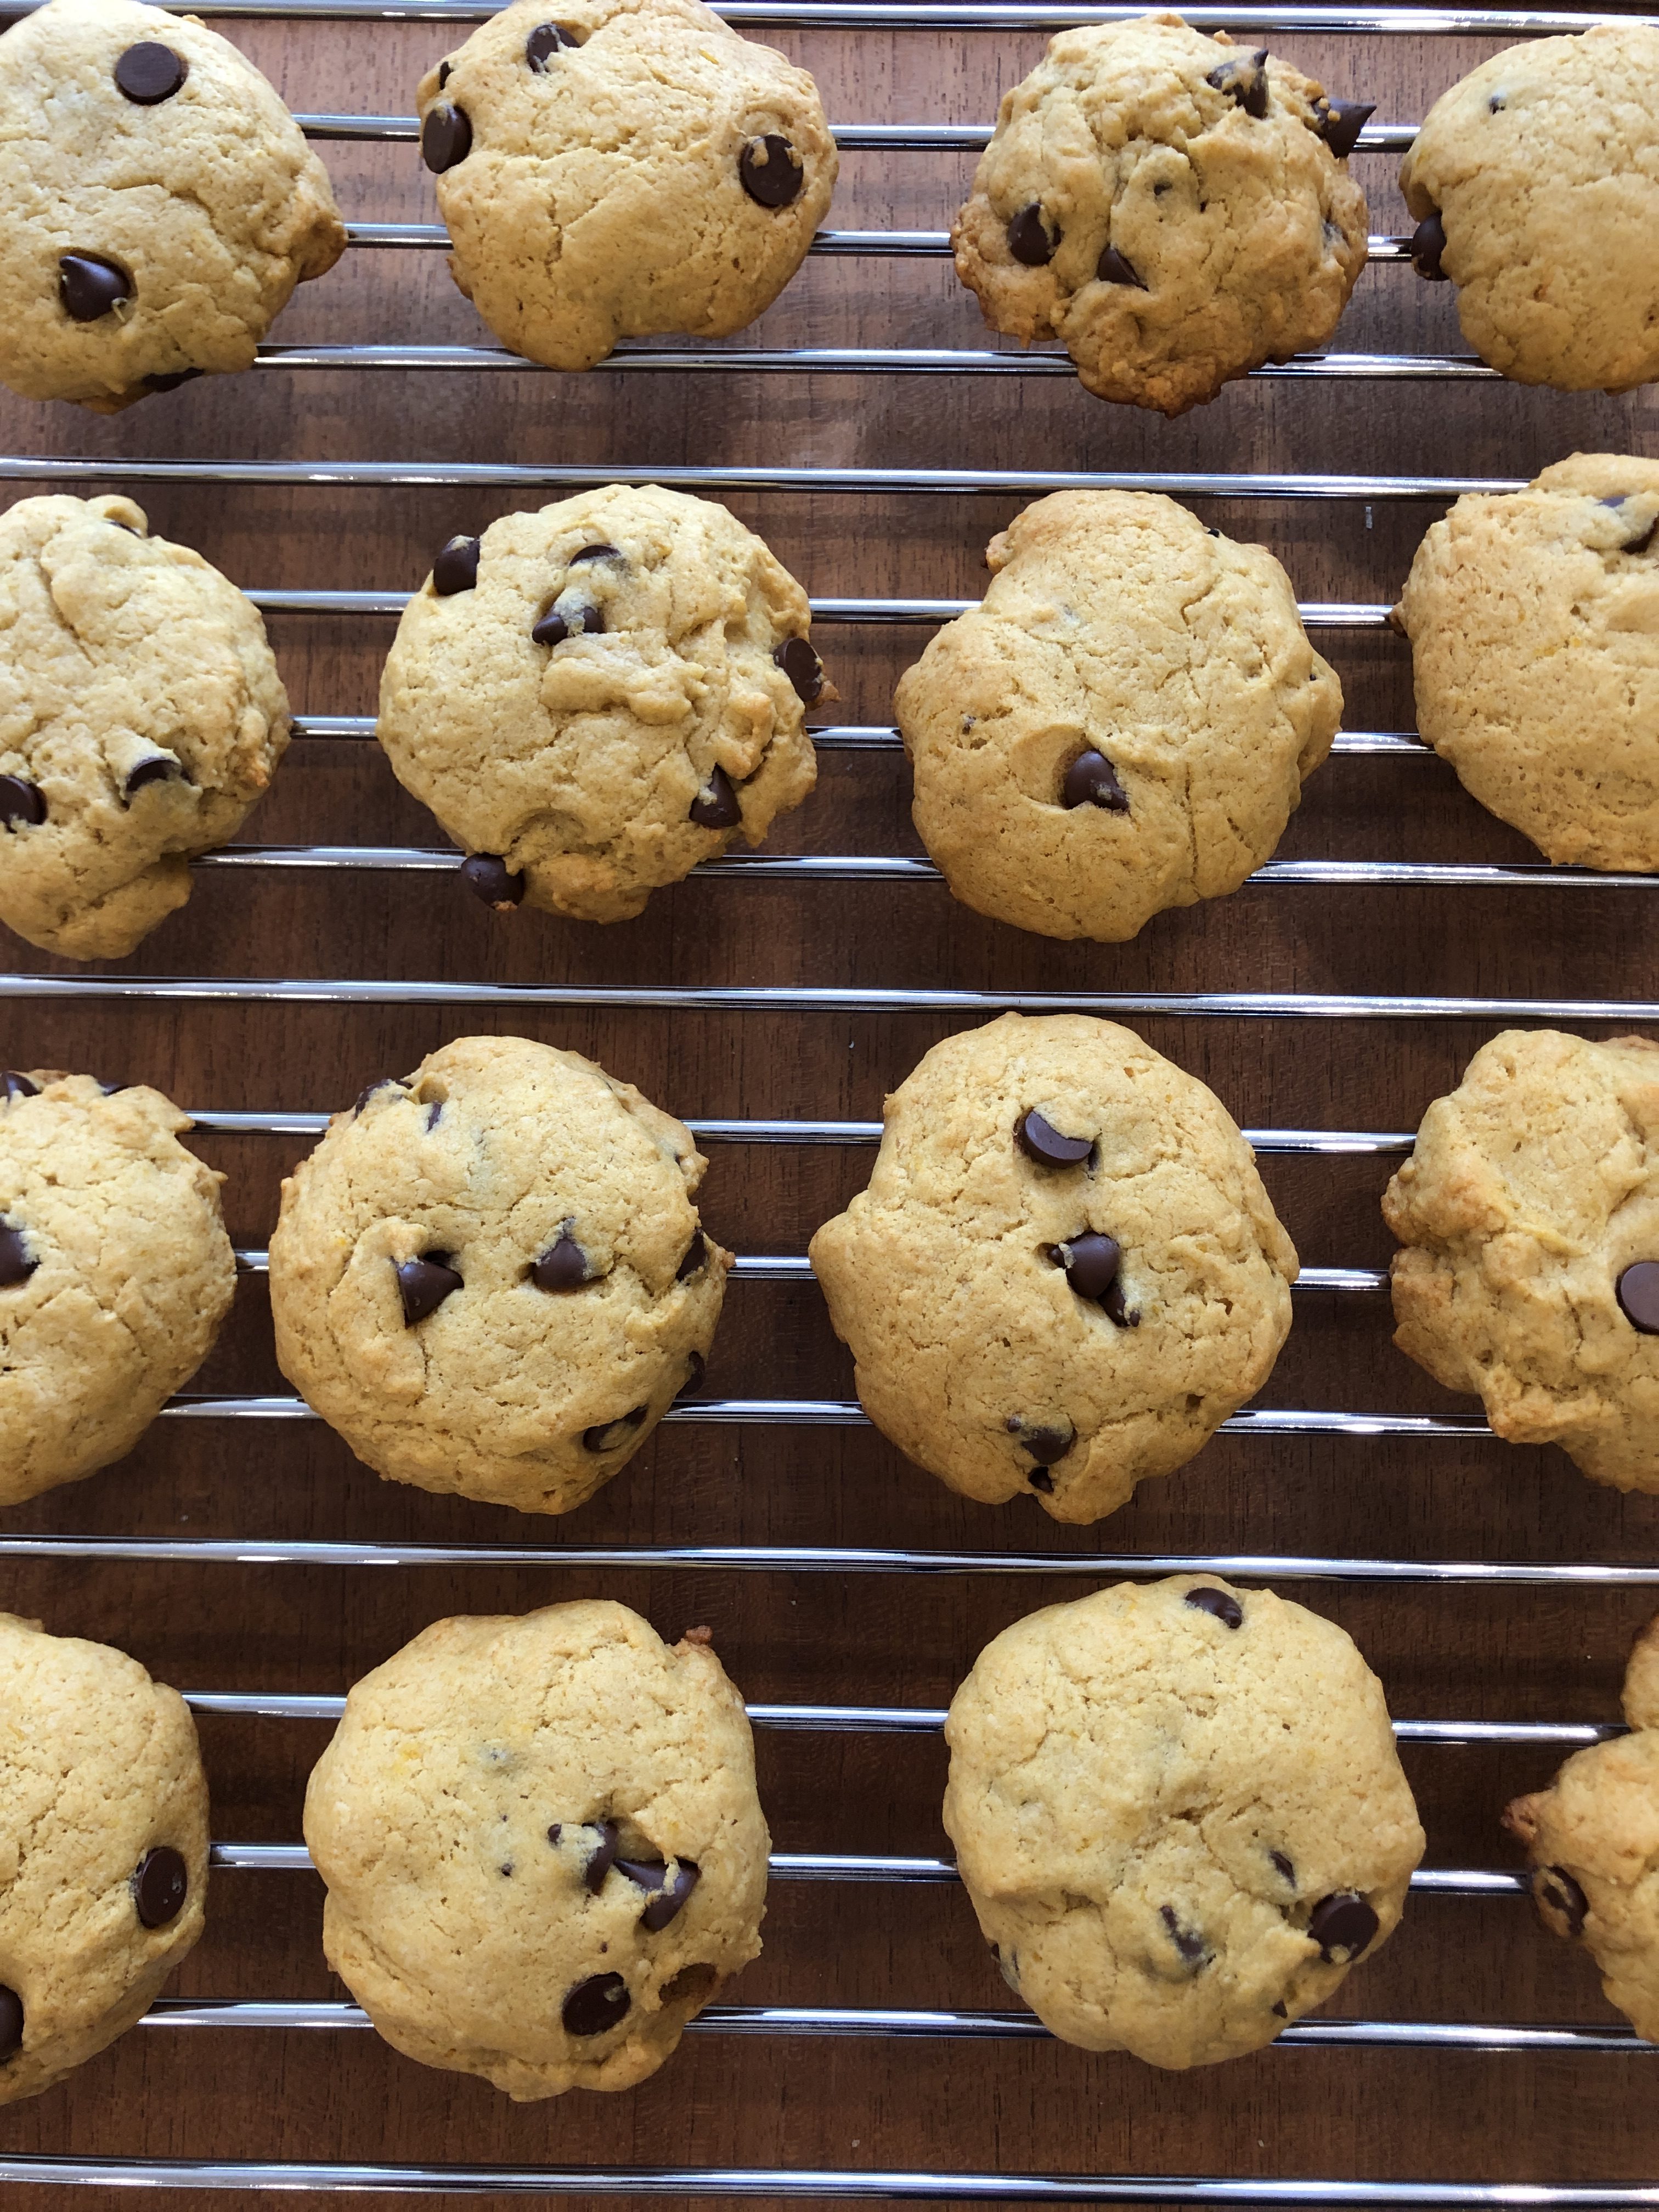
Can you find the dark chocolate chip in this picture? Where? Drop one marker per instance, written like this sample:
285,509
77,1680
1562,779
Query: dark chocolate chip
694,1376
1641,542
606,1436
1279,2012
1554,1887
554,628
160,767
1283,1867
1428,244
1046,1445
1222,1603
803,667
13,1085
89,286
695,1253
770,171
1244,78
1091,780
11,2023
20,801
564,1266
596,2005
434,1114
1091,1262
1639,1296
425,1284
667,1895
1343,1921
456,569
507,1868
445,70
1028,238
543,42
487,877
160,1883
1039,1479
602,1858
386,1082
1041,1140
715,806
1188,1942
169,380
1119,1309
16,1265
149,73
446,137
1495,104
595,553
1341,121
1113,269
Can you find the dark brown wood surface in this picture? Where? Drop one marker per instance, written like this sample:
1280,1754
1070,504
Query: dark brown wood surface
1495,1654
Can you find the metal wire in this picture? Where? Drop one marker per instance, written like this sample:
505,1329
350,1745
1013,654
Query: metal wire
1316,614
881,737
864,245
851,137
894,15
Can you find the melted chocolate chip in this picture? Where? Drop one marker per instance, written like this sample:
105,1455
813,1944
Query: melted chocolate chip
1244,78
160,1883
1188,1942
386,1082
606,1436
543,42
149,73
696,1252
489,878
89,286
595,2006
16,1265
446,137
160,767
169,380
1428,244
668,1895
715,806
595,553
770,171
1639,1296
1343,1921
425,1284
445,70
1046,1445
20,801
1091,1262
1554,1887
694,1376
564,1266
11,2023
1028,238
1222,1603
803,667
434,1114
1039,1140
1039,1479
456,569
1283,1867
13,1085
554,628
1091,780
1341,121
1113,269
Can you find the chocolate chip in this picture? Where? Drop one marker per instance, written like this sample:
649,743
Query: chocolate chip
1428,244
667,1895
564,1266
770,171
1244,78
803,667
16,1265
386,1082
20,801
1642,539
425,1284
554,628
13,1085
160,767
1639,1296
1495,104
1279,2011
1091,780
160,1883
594,553
1188,1942
606,1436
507,1868
1283,1867
715,806
445,138
1113,269
1039,1479
1343,1921
1222,1603
695,1253
149,73
1041,1140
1091,1262
434,1114
89,286
603,1857
456,569
11,2022
1119,1311
596,2005
1046,1445
1028,238
694,1376
487,877
543,42
169,380
1554,1888
1341,121
445,70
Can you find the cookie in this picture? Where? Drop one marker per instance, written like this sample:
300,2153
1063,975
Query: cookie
1534,184
489,1277
1534,621
1065,1274
1592,1839
103,1849
115,1272
141,717
542,1844
160,204
1123,724
1529,1215
593,698
1179,1815
631,167
1174,208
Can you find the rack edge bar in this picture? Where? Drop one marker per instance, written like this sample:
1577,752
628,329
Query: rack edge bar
892,15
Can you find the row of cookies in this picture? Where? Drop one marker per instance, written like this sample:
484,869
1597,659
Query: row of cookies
491,1276
595,697
1175,210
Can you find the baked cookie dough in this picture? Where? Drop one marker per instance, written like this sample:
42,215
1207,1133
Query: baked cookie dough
1535,182
542,1843
1179,1815
141,716
115,1272
489,1277
1534,621
160,204
103,1849
623,168
1529,1212
1175,210
1124,724
593,698
1065,1274
1593,1838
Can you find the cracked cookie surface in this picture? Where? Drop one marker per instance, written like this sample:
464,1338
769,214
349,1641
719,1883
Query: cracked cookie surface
543,1846
1179,1815
1123,724
1065,1274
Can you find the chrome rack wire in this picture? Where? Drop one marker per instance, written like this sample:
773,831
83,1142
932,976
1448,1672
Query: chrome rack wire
846,361
887,245
851,137
964,15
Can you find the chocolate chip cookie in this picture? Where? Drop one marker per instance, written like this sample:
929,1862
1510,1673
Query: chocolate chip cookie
115,1272
1535,182
632,166
542,1843
1591,1837
1529,1212
1175,210
1534,620
489,1276
141,717
159,203
103,1849
1065,1274
593,698
1179,1815
1123,724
